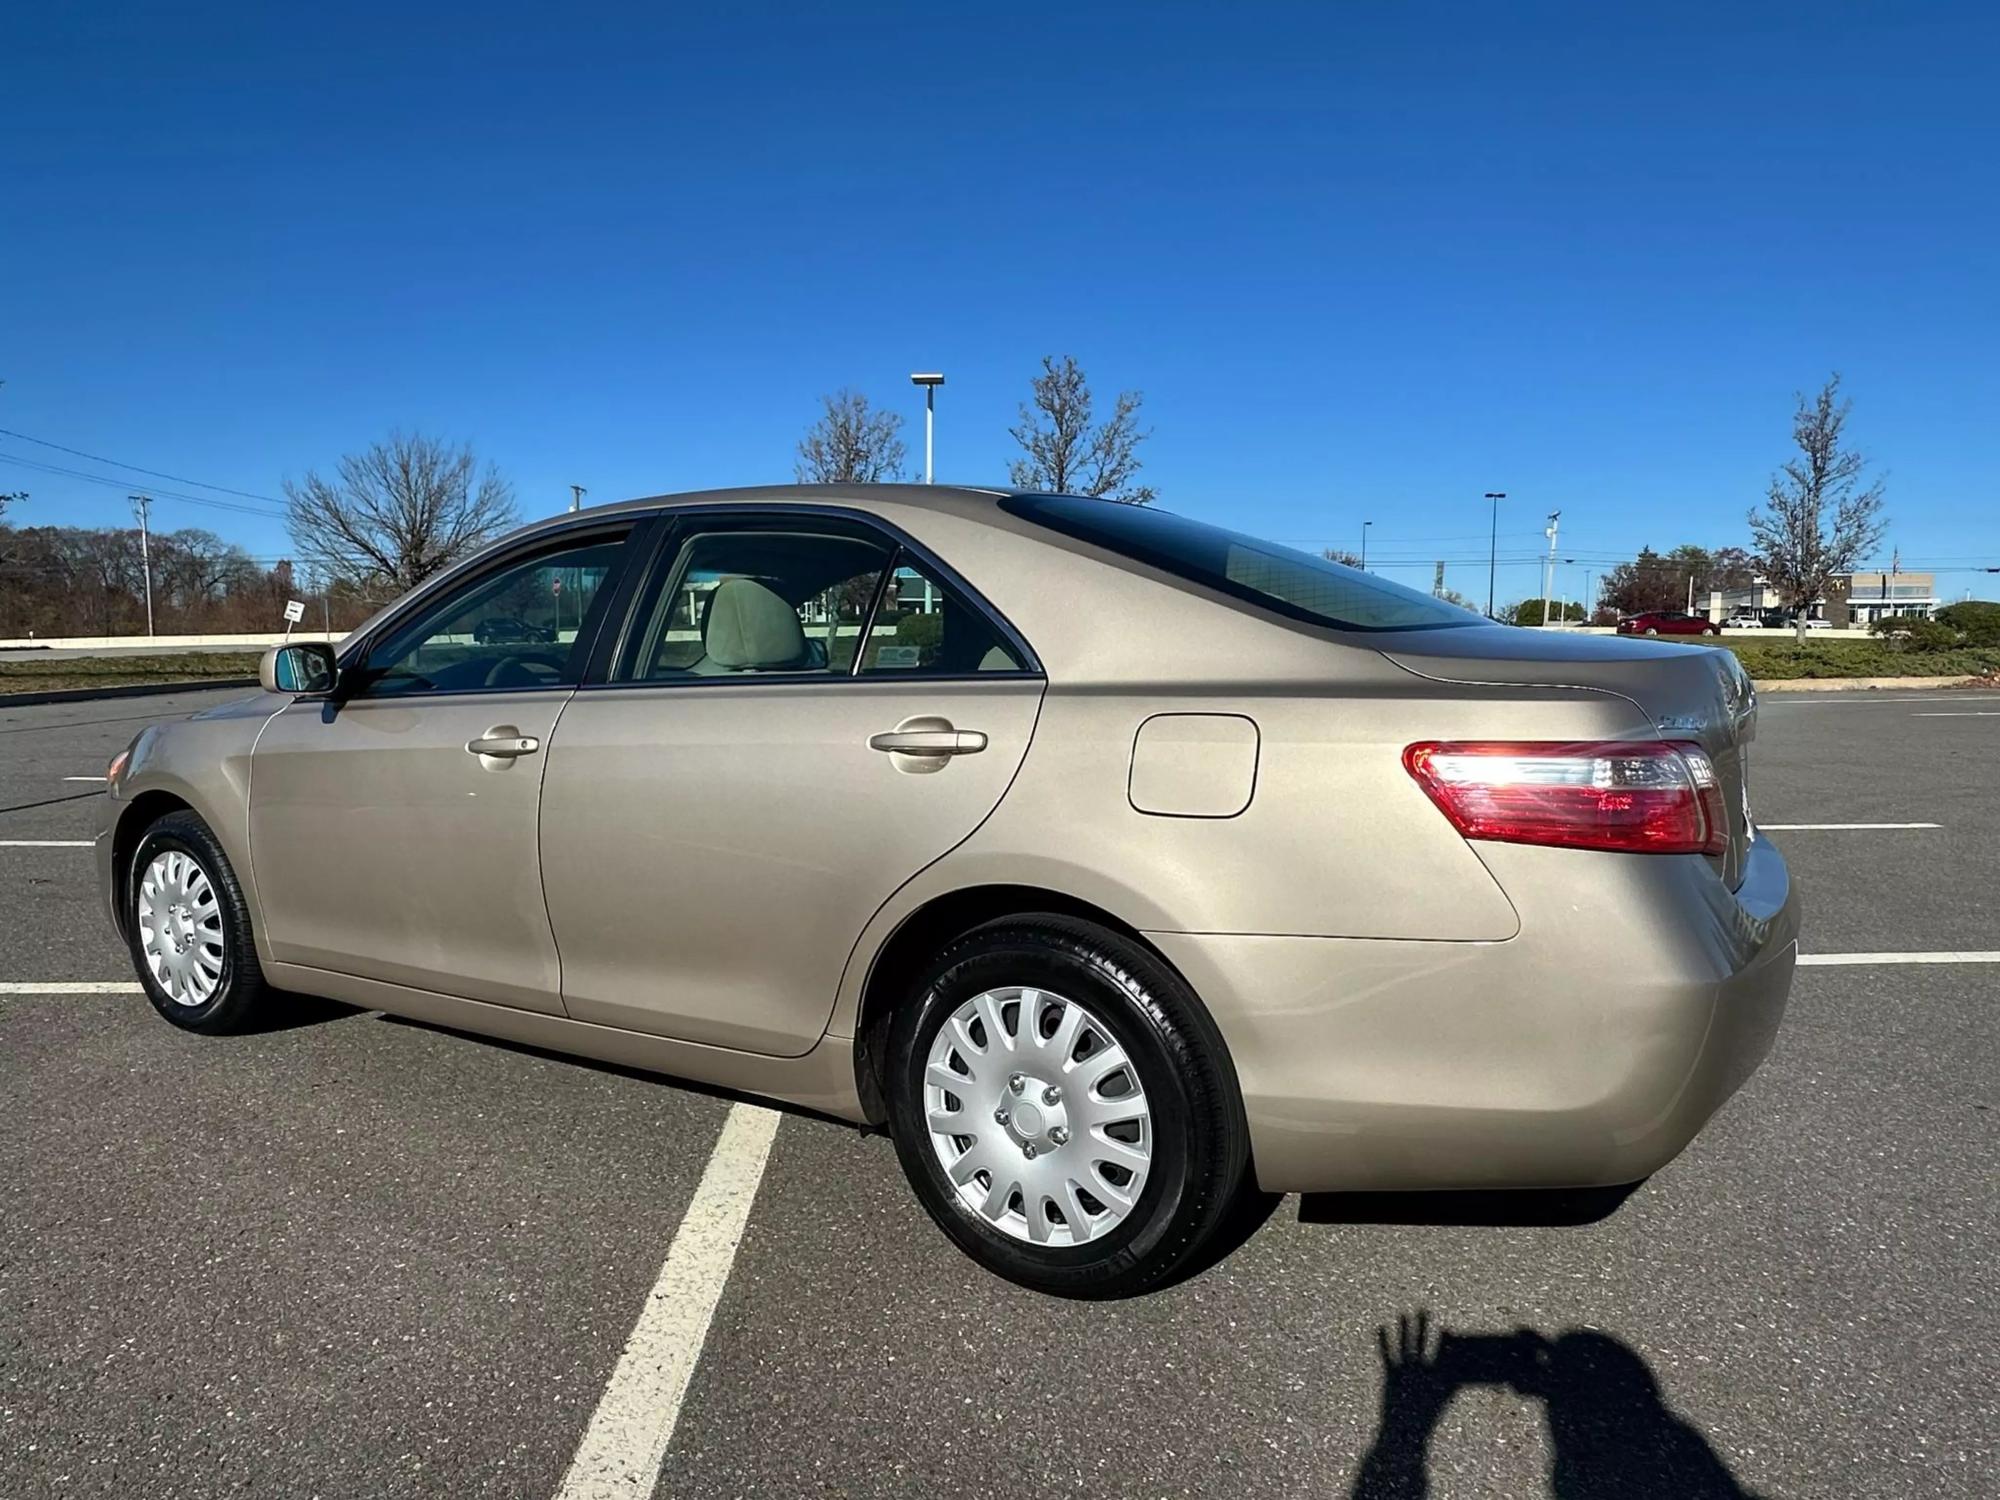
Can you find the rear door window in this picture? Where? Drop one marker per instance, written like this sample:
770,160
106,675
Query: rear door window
923,627
740,601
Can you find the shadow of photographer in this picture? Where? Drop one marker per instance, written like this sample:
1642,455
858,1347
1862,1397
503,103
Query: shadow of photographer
1610,1430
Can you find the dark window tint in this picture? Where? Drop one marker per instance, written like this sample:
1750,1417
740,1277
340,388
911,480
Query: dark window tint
1286,582
922,626
521,625
739,602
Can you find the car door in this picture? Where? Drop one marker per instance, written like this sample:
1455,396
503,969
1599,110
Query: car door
806,712
393,826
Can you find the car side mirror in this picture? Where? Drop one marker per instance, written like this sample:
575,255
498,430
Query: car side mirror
299,667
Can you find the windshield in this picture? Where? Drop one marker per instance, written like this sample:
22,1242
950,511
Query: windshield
1280,579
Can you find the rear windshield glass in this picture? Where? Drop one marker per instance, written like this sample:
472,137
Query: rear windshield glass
1280,579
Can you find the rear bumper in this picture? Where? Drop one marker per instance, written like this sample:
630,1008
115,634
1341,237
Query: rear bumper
1587,1051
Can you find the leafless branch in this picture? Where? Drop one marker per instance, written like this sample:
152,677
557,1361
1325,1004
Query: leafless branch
397,512
1799,552
1064,453
851,444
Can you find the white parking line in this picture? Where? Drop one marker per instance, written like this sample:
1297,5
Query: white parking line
44,843
1900,958
626,1442
111,987
83,778
1859,699
1801,827
1969,713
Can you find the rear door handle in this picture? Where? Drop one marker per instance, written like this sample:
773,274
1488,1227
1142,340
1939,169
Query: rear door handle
929,742
504,742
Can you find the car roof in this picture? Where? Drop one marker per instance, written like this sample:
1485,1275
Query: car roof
810,494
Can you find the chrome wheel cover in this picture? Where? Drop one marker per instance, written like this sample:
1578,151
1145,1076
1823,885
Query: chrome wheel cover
180,928
1037,1116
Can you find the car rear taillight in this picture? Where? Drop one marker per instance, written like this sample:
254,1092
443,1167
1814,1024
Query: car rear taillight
1647,797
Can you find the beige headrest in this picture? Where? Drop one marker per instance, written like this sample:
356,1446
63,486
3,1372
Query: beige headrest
750,628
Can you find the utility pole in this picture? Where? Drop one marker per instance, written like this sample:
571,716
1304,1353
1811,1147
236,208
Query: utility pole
576,494
141,504
1364,544
1493,554
1549,568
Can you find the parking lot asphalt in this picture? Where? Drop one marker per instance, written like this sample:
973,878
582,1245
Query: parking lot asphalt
358,1256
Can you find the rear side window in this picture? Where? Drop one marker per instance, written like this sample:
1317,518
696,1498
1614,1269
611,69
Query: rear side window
922,626
1279,579
742,602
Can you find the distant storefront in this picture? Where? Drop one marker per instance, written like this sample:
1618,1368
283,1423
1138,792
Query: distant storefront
1855,599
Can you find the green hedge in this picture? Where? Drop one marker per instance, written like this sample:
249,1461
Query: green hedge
1976,620
1915,632
1770,660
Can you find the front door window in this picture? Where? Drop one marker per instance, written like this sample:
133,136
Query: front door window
522,625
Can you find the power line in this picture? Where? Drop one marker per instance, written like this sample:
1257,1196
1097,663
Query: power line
200,484
108,482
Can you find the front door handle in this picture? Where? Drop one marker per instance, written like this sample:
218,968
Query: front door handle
503,742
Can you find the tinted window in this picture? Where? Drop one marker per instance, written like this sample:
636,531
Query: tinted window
739,602
922,626
1286,582
518,626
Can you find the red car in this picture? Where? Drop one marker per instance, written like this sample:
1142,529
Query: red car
1668,622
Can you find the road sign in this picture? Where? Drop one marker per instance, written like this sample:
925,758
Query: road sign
295,610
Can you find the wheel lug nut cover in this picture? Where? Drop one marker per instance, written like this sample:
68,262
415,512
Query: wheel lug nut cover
1051,1095
1018,1082
1000,1116
1028,1150
1059,1135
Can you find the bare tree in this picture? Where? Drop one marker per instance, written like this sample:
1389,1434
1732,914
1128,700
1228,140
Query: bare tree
851,443
1065,453
1342,556
1797,549
397,512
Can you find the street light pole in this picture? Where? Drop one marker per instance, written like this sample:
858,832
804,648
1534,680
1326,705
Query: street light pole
141,504
1549,577
576,494
1493,553
1364,544
930,380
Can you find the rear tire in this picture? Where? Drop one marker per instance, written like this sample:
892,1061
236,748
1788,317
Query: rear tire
189,930
1065,1109
1652,630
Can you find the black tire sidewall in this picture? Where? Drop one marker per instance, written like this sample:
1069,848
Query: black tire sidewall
235,990
1154,1029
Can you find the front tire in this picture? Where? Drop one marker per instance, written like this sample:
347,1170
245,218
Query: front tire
189,930
1065,1109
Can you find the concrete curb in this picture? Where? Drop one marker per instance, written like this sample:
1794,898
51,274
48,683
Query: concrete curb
129,690
1852,684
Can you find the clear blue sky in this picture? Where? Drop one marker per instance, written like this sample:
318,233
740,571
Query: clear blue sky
1365,261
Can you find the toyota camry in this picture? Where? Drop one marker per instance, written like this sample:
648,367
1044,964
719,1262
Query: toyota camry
1119,865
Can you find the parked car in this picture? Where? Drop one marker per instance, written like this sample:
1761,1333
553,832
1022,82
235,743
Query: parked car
1784,619
497,630
1260,874
1668,622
